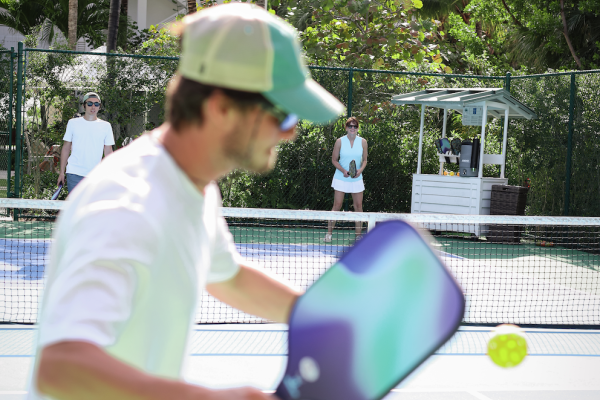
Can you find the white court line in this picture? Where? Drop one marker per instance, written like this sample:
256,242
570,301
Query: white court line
478,395
460,390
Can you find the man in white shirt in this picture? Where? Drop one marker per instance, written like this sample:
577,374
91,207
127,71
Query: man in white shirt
85,140
144,233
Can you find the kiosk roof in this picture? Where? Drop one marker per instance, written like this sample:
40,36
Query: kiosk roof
457,98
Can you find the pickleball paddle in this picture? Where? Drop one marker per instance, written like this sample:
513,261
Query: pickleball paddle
371,319
57,192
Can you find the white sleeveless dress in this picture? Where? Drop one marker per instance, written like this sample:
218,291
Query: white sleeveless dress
347,154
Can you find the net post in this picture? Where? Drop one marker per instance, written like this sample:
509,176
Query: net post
371,222
569,147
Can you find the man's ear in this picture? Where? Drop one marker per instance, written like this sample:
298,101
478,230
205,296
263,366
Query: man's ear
218,111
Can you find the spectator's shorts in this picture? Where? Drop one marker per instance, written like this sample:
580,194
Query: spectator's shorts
73,180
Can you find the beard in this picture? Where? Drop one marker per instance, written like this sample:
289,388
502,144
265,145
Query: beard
241,147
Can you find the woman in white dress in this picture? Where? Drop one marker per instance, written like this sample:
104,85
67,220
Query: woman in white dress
347,149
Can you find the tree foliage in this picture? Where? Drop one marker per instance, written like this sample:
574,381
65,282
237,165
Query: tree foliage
507,34
384,34
48,18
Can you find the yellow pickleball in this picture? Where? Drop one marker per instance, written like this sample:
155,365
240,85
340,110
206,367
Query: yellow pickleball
507,348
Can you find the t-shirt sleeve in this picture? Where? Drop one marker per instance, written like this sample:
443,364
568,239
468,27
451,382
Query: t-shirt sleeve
109,139
226,260
69,132
90,298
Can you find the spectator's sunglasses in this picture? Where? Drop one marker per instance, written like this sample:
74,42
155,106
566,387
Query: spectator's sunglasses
352,126
90,103
286,121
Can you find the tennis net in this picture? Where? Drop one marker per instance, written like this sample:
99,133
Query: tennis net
531,271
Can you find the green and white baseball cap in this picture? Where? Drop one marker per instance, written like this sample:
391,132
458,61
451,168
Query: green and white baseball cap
88,95
243,47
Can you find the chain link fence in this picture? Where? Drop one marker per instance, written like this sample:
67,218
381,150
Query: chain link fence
556,154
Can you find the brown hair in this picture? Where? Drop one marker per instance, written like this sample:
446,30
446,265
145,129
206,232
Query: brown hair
352,119
185,98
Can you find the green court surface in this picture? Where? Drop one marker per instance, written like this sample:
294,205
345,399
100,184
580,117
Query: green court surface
291,235
482,250
25,230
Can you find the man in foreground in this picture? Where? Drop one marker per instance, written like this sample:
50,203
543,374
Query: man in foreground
84,142
133,249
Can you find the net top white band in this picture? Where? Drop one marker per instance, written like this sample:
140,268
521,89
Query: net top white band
371,218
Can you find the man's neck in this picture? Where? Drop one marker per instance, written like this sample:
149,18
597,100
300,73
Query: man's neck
90,117
198,155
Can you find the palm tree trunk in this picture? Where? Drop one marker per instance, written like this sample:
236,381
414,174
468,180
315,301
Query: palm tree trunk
113,25
122,40
566,34
191,6
72,24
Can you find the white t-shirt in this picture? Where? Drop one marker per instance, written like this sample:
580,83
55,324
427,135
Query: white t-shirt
88,139
132,249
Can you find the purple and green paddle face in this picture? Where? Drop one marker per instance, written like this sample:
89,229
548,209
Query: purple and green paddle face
371,319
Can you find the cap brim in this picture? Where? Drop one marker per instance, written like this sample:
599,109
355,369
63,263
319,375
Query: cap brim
309,101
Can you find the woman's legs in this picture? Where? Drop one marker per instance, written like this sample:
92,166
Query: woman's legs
338,200
357,199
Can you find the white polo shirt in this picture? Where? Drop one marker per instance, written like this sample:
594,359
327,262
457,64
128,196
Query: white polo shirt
132,249
88,139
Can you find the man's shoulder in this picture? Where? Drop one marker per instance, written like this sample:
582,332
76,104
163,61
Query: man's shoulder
82,120
74,120
101,121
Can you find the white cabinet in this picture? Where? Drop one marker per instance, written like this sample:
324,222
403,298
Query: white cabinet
442,194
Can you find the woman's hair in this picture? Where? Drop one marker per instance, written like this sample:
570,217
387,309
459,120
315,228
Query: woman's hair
185,98
352,119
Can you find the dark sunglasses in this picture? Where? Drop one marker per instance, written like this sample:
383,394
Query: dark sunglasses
89,103
352,126
286,121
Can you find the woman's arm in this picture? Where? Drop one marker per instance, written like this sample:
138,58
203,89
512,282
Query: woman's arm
335,157
364,159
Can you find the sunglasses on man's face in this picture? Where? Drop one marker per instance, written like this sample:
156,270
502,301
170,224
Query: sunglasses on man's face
286,121
89,103
352,126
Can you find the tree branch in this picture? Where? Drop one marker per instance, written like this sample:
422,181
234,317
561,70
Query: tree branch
566,33
465,17
515,20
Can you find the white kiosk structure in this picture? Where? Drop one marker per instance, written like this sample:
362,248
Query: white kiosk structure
441,194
